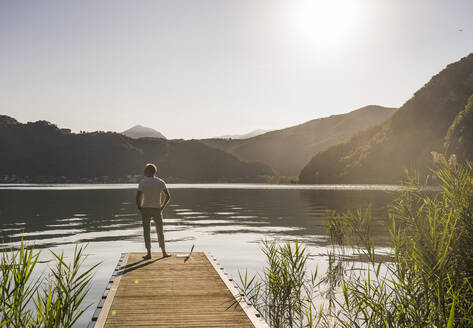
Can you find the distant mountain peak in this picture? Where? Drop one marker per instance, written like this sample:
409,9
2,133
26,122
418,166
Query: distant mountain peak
140,131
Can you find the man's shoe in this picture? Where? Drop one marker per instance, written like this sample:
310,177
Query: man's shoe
147,257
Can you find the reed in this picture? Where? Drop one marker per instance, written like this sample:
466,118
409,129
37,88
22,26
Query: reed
28,299
427,280
285,292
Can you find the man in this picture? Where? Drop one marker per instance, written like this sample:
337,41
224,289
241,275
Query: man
149,202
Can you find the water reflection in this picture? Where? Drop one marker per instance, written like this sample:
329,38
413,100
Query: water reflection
53,217
230,223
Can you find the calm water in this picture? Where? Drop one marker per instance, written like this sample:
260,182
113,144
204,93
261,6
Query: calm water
227,220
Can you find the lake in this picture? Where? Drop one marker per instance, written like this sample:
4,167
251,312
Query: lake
227,220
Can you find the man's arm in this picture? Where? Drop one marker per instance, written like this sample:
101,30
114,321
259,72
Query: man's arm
139,197
167,197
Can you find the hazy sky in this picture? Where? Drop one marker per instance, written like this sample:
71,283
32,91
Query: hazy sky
201,68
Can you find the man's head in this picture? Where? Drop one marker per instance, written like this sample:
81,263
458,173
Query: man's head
150,170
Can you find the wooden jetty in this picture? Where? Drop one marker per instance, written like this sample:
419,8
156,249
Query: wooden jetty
169,292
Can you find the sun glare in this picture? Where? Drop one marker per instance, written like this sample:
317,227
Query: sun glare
325,23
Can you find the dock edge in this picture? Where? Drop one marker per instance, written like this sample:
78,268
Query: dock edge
249,310
103,307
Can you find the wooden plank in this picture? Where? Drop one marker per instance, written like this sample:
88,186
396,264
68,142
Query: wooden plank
168,292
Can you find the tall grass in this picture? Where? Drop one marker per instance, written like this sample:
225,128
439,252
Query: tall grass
29,299
426,282
284,294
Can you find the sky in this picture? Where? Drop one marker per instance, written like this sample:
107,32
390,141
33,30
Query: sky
204,68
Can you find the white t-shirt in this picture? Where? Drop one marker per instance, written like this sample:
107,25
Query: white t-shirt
152,187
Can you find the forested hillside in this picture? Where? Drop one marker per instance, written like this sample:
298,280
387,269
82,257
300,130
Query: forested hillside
41,149
288,150
382,153
459,140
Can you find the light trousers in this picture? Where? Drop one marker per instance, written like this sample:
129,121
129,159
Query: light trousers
148,213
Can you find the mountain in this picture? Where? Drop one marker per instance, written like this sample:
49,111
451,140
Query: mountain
288,150
42,151
139,131
382,153
244,136
7,120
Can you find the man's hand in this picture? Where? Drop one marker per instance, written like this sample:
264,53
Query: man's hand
167,197
138,199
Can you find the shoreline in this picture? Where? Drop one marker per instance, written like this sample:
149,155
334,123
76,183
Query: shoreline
220,185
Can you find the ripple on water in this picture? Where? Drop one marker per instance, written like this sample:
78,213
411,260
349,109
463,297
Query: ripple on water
190,213
244,216
14,224
117,225
172,227
172,220
11,229
123,215
197,217
245,228
123,233
171,240
48,232
233,207
206,222
128,219
65,225
70,220
256,222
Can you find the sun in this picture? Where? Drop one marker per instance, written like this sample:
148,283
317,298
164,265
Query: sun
325,23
